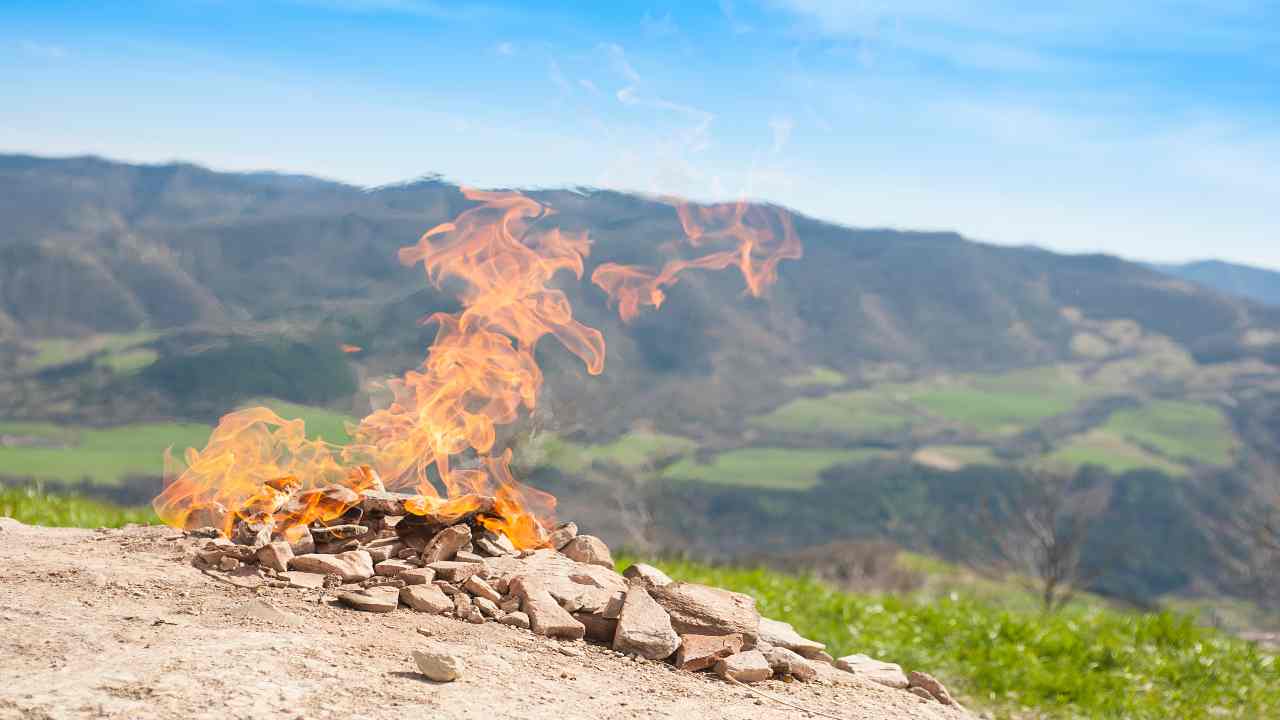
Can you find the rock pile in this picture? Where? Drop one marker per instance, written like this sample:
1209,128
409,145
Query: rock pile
382,558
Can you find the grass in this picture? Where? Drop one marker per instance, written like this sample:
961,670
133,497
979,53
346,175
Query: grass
635,450
1179,430
816,377
1081,663
122,356
954,457
1099,447
768,468
849,414
34,506
1004,403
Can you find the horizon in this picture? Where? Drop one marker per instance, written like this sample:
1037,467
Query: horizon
1126,131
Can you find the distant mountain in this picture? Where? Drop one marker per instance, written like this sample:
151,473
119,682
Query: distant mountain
1241,280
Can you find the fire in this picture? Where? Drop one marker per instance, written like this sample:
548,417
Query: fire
438,434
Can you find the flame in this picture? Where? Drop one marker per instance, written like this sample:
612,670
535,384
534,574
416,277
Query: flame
437,436
760,238
348,348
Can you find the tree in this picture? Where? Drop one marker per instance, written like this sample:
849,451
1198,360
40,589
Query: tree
1039,528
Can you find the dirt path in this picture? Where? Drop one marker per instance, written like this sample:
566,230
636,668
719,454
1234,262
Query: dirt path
118,624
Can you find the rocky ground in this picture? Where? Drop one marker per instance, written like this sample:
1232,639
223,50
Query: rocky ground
120,624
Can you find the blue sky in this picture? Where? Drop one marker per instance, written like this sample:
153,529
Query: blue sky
1149,130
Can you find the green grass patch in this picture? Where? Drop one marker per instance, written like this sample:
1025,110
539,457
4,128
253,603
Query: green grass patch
1080,663
635,450
1004,403
849,414
816,377
34,506
768,468
1180,430
1099,447
59,351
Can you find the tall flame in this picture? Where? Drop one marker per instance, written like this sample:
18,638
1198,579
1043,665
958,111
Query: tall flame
480,371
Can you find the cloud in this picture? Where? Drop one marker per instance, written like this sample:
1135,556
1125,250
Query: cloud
557,76
505,48
618,57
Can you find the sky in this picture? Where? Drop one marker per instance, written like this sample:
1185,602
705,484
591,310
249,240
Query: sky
1144,129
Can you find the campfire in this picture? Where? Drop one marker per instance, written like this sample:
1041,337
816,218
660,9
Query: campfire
422,511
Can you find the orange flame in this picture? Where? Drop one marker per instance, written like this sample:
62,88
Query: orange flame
348,348
479,373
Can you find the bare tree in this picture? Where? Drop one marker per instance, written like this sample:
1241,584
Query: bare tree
1039,530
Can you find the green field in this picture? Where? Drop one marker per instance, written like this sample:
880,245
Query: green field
635,450
768,468
122,355
1106,449
32,505
1084,662
850,414
1005,403
816,377
1186,431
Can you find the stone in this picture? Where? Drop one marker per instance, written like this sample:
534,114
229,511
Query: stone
588,549
598,627
481,589
922,693
823,657
703,610
418,576
930,683
228,563
648,573
879,671
788,662
516,619
493,544
445,544
381,553
439,663
699,652
376,600
387,503
454,571
251,534
563,533
487,607
383,581
510,604
468,556
749,666
409,554
334,533
275,555
644,628
352,566
300,540
393,568
781,634
426,598
462,605
447,588
299,579
546,617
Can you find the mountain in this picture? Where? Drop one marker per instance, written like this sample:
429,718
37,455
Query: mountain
1244,281
888,384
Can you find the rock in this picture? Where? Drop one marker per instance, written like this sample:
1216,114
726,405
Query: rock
509,604
454,571
446,588
493,544
381,553
487,607
919,679
588,549
300,540
563,533
335,533
252,534
426,598
387,503
418,576
439,663
823,657
468,556
747,667
337,546
299,579
409,554
644,628
703,610
787,662
699,652
353,565
445,544
462,605
275,555
516,619
648,573
922,693
885,673
599,628
481,589
393,568
227,563
546,617
383,581
372,600
781,634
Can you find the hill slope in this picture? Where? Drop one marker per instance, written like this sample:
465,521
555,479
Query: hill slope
1245,281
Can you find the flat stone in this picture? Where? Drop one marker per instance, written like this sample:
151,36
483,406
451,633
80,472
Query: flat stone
878,671
409,553
704,610
381,553
644,628
440,663
787,662
462,605
446,544
487,607
300,540
418,576
648,573
275,555
387,503
393,568
447,588
749,666
546,617
426,598
922,693
516,619
372,600
598,627
563,533
299,579
493,544
227,563
699,652
334,533
468,556
588,549
454,571
481,589
924,680
352,566
781,634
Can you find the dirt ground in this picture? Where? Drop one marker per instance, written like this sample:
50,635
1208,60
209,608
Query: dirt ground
118,624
